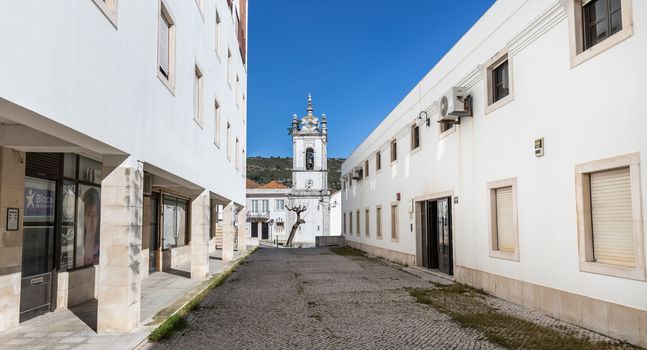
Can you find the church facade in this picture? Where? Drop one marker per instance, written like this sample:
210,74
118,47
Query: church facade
309,177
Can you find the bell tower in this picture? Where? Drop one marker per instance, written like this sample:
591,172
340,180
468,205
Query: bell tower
310,173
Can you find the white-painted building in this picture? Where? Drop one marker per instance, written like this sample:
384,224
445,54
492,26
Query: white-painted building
537,197
335,214
266,212
122,128
310,176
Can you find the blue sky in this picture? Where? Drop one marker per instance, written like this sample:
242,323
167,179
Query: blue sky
358,61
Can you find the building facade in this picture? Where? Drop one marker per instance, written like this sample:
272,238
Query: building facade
531,187
122,130
310,176
266,213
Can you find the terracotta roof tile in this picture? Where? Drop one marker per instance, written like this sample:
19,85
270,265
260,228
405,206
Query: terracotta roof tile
252,184
274,185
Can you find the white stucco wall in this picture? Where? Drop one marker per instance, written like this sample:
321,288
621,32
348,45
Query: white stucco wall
83,77
335,214
585,113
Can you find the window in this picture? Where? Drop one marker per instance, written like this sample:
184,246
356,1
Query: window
394,222
597,25
415,137
443,128
228,141
378,221
237,154
394,150
109,9
378,161
499,81
218,34
229,70
265,206
198,96
176,233
366,168
601,19
280,225
217,130
237,91
254,206
166,48
357,223
367,221
610,217
344,223
350,222
280,204
504,238
310,159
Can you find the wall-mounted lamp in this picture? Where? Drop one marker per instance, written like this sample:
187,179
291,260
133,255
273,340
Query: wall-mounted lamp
423,118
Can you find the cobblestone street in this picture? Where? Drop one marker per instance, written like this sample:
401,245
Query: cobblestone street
315,299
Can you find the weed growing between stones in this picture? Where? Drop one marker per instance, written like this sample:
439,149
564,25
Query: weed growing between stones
467,306
347,251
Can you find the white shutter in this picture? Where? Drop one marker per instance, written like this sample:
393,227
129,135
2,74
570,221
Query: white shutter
611,215
164,45
504,222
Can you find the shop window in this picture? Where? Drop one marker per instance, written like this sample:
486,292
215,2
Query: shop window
175,222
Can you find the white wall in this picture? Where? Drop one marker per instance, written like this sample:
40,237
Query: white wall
335,214
586,113
66,62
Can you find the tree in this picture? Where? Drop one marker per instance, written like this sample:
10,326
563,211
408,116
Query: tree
298,209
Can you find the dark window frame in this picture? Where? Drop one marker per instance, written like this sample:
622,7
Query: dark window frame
590,23
500,80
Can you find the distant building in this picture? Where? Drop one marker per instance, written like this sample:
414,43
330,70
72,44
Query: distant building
266,213
537,196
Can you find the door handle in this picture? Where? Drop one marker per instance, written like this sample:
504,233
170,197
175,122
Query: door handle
38,280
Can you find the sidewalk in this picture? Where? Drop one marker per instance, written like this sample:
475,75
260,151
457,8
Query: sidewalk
74,328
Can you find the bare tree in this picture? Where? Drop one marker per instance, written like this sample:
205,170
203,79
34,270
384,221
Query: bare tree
298,209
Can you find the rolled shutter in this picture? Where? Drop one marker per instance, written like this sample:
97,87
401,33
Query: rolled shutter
504,221
164,45
611,215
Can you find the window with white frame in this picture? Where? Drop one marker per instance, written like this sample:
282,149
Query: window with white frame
394,222
254,206
597,25
280,204
499,81
217,130
504,236
228,141
265,206
198,96
367,221
166,47
610,217
415,137
378,161
394,150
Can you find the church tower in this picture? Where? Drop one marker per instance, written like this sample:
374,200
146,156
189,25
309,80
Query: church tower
310,175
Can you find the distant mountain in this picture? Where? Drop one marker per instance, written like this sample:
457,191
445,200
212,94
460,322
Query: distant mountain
264,170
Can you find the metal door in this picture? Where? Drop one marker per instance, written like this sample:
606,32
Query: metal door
444,236
266,231
39,224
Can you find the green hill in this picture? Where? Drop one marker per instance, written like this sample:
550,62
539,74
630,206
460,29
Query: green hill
264,170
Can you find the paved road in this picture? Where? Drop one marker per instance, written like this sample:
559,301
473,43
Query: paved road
315,299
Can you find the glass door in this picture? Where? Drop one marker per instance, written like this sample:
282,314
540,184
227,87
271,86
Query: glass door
38,247
444,236
153,249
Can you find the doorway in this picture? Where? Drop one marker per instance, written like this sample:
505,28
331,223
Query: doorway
154,247
254,229
265,234
39,223
436,235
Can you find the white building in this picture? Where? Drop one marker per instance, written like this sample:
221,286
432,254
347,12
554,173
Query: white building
537,196
266,214
122,128
310,176
335,214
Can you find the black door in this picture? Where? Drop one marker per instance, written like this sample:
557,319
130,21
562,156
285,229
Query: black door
254,229
266,231
38,247
444,236
153,249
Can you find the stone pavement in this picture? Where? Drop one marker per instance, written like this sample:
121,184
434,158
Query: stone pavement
74,328
315,299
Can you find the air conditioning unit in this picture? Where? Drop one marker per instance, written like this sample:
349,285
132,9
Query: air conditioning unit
454,104
148,184
358,174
